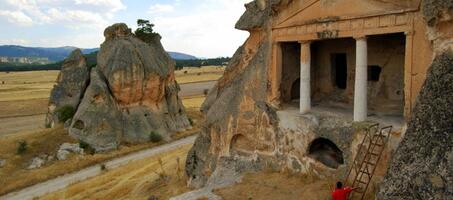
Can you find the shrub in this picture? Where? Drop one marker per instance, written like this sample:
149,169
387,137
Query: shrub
205,92
83,144
21,147
103,167
155,137
191,121
64,113
86,147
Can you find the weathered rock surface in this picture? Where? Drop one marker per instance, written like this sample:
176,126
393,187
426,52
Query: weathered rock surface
237,100
422,167
2,163
71,83
243,118
98,119
66,149
132,93
62,154
74,148
37,162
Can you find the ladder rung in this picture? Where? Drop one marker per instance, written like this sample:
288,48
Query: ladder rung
376,144
374,154
365,172
370,163
359,181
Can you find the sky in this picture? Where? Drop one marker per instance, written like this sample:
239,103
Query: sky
203,28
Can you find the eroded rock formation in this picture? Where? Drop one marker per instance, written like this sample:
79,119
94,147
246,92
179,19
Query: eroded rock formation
237,104
246,129
422,167
132,93
71,84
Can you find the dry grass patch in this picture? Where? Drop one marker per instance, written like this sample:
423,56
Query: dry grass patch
23,107
193,101
26,85
195,74
15,176
161,176
38,84
274,185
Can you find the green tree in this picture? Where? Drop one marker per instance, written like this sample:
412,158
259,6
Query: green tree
145,31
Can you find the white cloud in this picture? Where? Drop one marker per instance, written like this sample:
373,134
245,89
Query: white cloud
77,18
78,13
207,31
161,8
14,41
16,17
111,5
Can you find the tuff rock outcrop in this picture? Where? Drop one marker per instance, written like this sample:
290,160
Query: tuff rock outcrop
237,100
422,167
243,132
132,92
71,84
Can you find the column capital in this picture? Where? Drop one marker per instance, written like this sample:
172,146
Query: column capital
360,37
305,42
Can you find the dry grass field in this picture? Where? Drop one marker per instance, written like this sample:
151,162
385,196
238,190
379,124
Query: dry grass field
22,86
26,94
14,174
274,185
161,176
207,73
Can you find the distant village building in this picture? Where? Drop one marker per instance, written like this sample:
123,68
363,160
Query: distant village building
25,60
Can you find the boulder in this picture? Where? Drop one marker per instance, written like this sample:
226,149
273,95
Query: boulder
74,148
71,84
2,163
132,93
422,167
36,162
63,154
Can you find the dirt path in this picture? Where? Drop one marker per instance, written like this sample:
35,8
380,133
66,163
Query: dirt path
64,181
195,88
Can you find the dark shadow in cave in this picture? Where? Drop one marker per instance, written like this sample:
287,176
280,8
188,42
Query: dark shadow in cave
326,152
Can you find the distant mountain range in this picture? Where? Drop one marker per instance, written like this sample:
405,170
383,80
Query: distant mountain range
181,56
60,53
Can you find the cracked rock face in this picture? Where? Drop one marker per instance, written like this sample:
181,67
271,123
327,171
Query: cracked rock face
132,92
422,167
71,83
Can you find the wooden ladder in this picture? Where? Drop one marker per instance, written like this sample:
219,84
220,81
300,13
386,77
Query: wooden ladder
367,158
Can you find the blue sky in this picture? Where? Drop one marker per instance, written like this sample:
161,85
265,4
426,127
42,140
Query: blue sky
203,28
